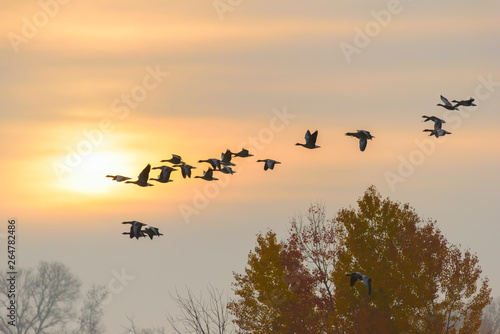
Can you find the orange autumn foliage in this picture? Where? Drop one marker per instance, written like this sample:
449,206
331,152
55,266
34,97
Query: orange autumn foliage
421,283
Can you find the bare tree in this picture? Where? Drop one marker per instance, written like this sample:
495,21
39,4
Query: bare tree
491,318
44,299
132,329
91,312
200,316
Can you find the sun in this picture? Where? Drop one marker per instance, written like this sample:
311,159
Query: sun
90,175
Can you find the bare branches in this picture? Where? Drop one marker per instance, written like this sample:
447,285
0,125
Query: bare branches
200,316
45,298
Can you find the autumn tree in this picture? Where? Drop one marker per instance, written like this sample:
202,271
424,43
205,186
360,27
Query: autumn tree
421,283
276,293
45,299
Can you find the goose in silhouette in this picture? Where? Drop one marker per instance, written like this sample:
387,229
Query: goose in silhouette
310,140
355,276
438,122
152,231
363,137
164,176
118,178
269,163
186,170
447,104
243,154
226,158
135,229
142,179
176,159
227,170
465,103
215,163
208,175
437,132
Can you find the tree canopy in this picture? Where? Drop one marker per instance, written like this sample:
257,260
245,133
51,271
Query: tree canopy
421,283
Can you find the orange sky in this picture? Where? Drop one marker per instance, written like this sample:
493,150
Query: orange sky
219,84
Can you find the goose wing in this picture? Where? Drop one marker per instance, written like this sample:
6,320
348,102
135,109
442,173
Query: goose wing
445,101
143,177
368,283
312,138
362,143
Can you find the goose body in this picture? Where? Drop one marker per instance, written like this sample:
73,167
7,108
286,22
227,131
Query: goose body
215,163
355,276
226,158
438,122
118,178
176,159
164,176
142,179
208,175
186,170
152,231
465,103
363,137
227,170
243,154
437,132
310,140
135,229
269,163
447,104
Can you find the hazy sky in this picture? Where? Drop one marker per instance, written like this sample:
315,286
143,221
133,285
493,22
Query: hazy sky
95,88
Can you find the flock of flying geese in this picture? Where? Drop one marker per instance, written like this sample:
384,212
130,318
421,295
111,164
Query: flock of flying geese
437,131
438,123
224,165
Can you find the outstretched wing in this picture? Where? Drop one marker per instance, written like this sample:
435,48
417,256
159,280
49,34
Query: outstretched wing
143,177
445,101
368,283
362,143
313,137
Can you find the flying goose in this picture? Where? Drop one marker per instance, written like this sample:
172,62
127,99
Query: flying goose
135,229
226,158
142,179
208,175
243,154
164,176
438,122
152,231
186,170
363,137
269,163
465,103
355,276
176,159
215,163
310,140
437,132
447,104
227,170
118,178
